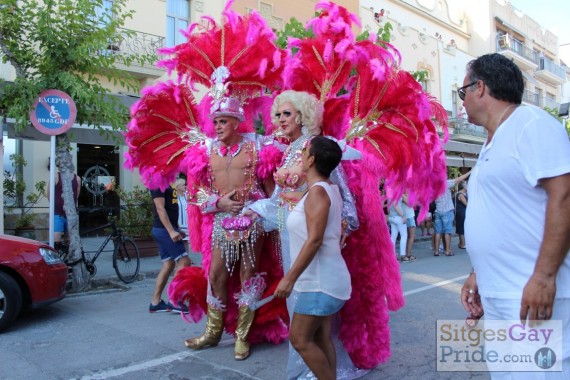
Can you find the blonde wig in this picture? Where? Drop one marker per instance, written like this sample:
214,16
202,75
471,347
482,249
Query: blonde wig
306,104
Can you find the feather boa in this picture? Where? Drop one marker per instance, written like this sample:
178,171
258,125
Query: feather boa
374,271
188,288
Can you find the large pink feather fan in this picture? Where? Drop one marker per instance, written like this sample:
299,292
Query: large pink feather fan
258,111
334,22
336,117
322,65
243,44
316,68
395,119
158,133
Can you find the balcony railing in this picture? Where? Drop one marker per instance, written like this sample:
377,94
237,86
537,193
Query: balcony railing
505,42
136,43
463,127
551,104
550,66
531,97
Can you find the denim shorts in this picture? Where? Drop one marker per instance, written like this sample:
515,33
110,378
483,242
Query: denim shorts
410,222
169,250
444,222
318,304
59,223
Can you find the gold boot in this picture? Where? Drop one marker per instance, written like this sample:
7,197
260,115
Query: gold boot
213,333
245,320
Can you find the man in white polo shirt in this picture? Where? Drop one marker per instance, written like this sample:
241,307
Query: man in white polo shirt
518,219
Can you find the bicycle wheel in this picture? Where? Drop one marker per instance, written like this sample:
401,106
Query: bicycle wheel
126,259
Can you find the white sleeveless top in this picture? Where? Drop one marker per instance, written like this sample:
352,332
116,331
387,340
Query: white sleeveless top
327,273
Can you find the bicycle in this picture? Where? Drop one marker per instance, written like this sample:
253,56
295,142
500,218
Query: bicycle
126,257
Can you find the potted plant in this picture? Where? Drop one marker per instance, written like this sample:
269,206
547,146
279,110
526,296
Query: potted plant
18,200
136,218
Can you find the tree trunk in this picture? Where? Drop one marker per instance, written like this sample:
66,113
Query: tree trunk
64,163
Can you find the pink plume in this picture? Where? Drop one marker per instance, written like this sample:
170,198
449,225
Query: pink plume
269,159
188,288
262,68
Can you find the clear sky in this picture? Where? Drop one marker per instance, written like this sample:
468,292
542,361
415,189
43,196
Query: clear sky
554,16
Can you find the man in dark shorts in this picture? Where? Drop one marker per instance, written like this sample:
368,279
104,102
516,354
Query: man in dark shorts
172,250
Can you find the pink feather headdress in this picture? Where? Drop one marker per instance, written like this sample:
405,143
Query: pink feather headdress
242,48
367,97
237,61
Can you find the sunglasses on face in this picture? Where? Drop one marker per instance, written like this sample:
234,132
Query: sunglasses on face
285,113
461,90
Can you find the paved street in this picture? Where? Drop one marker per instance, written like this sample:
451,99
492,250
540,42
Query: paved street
110,334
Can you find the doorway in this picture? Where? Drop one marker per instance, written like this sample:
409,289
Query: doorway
98,166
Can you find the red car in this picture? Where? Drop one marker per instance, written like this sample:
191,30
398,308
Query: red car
31,275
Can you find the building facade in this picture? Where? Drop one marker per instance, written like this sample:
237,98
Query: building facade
438,37
441,37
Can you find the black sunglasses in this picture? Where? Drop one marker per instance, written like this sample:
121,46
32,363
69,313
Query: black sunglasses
461,90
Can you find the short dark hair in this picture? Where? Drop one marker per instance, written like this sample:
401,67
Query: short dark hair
500,74
327,154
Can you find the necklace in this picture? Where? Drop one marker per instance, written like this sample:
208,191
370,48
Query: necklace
229,151
503,114
292,150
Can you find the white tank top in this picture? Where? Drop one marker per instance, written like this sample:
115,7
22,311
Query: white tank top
327,273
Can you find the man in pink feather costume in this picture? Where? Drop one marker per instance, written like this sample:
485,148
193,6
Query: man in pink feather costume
237,243
226,166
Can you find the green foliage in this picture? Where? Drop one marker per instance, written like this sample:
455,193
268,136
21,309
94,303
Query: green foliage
66,45
294,28
420,75
554,113
565,122
453,172
16,196
137,215
383,34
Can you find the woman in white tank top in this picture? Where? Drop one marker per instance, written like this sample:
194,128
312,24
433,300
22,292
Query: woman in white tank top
318,273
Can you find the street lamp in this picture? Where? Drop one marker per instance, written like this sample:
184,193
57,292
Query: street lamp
563,110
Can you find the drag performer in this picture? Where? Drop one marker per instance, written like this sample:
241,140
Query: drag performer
381,111
227,165
231,183
299,116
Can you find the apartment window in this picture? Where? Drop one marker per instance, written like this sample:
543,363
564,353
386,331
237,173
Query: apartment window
104,14
177,17
105,9
455,100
